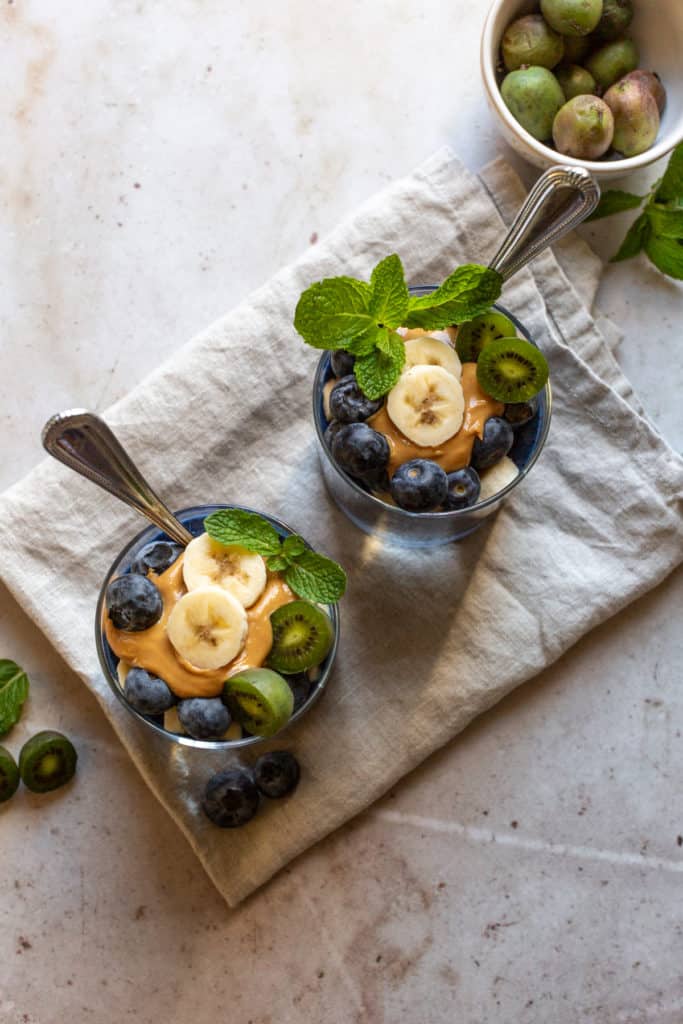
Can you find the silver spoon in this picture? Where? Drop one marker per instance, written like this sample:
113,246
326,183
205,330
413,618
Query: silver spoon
84,442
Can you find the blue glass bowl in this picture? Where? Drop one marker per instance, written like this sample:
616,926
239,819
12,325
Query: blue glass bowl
423,529
193,520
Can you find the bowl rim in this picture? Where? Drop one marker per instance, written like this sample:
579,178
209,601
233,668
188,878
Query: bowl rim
448,516
608,168
184,740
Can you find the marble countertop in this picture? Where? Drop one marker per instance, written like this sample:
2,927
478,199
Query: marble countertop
161,160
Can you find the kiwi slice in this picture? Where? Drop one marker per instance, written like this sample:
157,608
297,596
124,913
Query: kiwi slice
47,761
475,334
512,370
260,700
302,636
9,775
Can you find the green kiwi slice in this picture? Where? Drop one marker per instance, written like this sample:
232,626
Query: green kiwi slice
302,636
260,700
9,775
475,334
512,370
47,761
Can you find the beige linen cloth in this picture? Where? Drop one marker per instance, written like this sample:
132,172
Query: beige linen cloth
429,638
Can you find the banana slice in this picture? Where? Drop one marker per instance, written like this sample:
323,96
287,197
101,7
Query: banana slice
208,563
122,670
427,405
207,627
431,351
497,477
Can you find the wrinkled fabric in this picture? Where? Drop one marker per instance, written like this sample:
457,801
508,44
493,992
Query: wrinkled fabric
429,638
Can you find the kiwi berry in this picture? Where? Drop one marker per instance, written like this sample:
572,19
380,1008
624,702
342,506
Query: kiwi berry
512,370
47,761
260,700
473,335
9,775
302,636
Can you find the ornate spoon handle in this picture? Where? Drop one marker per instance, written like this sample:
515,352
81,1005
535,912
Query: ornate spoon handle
560,200
84,443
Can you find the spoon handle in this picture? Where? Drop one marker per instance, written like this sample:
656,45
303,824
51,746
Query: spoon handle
84,443
559,201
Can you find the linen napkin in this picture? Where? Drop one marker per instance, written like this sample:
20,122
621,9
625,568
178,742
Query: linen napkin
429,638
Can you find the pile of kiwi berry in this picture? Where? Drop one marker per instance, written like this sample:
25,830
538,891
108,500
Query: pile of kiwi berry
46,762
571,75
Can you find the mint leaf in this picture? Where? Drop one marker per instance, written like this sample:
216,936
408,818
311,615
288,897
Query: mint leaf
615,201
249,530
335,313
635,240
671,186
293,545
13,692
389,292
277,563
666,221
667,255
377,372
467,292
316,578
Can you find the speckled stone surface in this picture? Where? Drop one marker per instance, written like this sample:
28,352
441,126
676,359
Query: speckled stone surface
160,160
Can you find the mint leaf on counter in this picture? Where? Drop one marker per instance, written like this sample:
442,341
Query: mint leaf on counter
670,188
615,201
666,219
316,578
635,240
249,530
467,292
667,255
390,296
14,688
377,372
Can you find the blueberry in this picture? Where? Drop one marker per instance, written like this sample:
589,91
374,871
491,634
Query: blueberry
204,718
419,485
231,798
361,452
277,773
133,603
342,363
333,428
519,413
301,686
157,557
146,693
496,442
348,404
463,489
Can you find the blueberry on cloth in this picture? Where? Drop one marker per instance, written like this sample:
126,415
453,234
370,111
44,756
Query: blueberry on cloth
277,773
231,798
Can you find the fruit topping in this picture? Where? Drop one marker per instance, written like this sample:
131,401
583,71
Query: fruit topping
133,603
519,413
147,693
496,478
331,431
348,404
204,718
512,370
155,557
207,627
302,637
361,451
496,442
260,700
428,351
9,775
419,485
342,363
476,333
47,761
231,798
240,572
427,405
463,489
277,773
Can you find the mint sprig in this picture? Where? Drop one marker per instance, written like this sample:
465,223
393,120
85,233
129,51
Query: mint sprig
307,573
14,688
362,317
658,231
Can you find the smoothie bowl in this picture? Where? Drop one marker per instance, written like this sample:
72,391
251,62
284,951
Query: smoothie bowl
213,645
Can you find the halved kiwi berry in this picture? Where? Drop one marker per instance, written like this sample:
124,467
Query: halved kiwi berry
9,775
260,700
302,637
475,334
512,370
47,761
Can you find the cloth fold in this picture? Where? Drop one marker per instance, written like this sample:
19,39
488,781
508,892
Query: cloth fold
429,639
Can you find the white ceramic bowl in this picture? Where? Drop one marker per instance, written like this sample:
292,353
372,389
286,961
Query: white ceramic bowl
658,32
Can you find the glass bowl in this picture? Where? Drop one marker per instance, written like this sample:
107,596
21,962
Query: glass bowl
423,529
193,520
